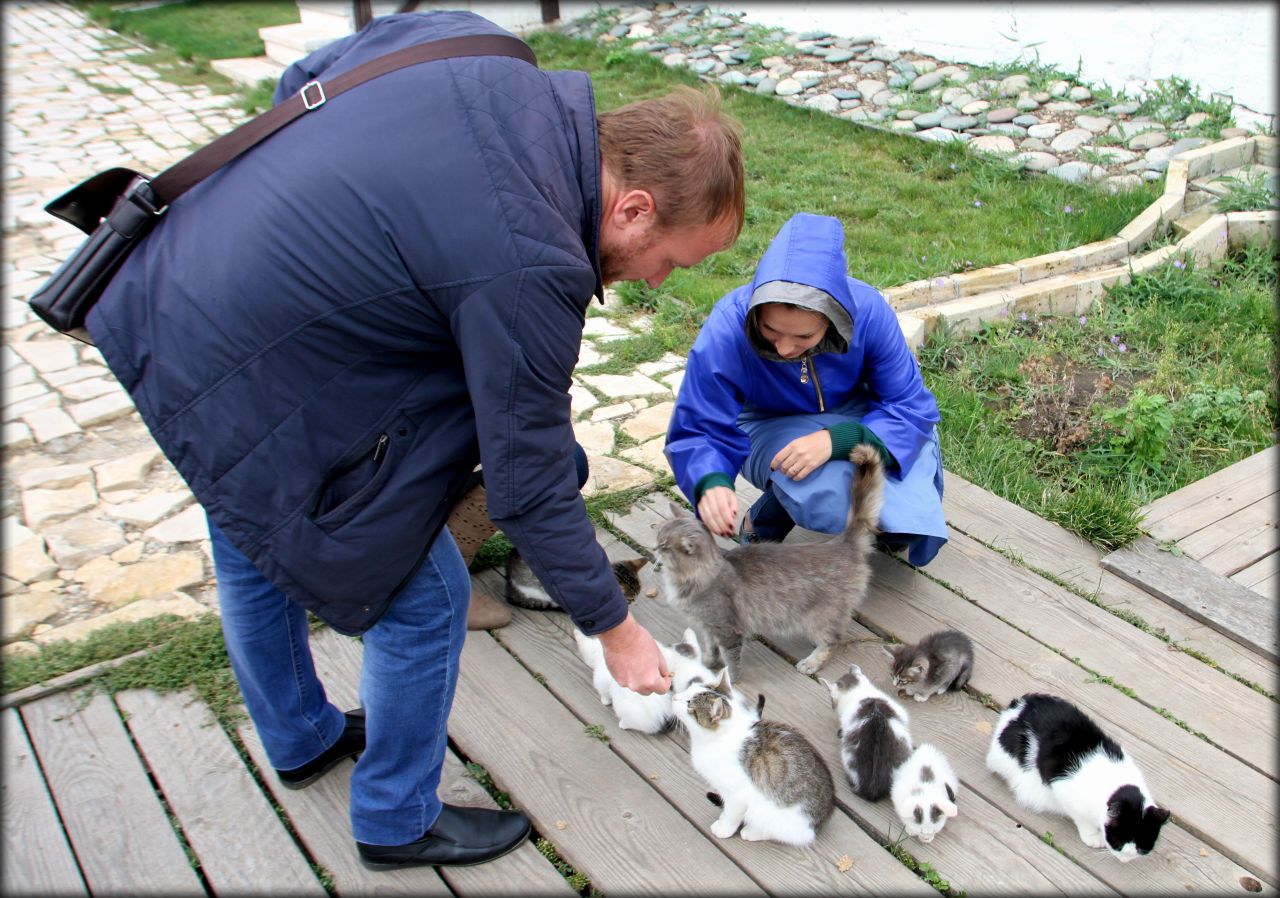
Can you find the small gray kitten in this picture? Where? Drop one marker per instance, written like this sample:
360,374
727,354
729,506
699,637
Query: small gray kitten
525,591
941,661
774,589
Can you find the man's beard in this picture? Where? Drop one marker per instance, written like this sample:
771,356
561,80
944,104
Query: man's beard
614,262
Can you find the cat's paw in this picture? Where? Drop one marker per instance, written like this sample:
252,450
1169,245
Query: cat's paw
722,829
750,835
1094,838
921,696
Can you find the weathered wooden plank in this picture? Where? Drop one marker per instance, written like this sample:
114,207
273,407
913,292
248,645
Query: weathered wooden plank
1258,573
616,829
338,660
1235,542
1232,715
1189,586
114,819
1045,546
543,642
905,603
1228,804
37,860
1198,504
242,846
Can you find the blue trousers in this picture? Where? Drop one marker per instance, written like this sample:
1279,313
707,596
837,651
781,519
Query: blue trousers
407,682
911,516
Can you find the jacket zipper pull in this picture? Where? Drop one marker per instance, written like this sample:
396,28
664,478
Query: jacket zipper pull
804,371
380,450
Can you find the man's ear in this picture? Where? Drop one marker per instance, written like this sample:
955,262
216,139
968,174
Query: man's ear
635,207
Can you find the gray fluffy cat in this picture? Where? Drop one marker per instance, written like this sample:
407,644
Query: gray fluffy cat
941,661
774,589
525,591
770,779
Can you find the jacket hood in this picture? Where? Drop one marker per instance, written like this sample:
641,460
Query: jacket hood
805,266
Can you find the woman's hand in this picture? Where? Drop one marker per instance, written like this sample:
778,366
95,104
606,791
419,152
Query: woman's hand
803,455
718,509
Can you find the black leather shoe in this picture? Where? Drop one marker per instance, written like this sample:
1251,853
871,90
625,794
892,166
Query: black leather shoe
460,837
350,743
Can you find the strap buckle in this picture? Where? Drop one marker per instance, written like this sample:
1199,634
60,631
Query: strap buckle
309,103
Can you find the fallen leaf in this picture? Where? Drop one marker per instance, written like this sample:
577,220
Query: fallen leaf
1203,853
1250,884
653,776
983,726
652,591
560,824
844,864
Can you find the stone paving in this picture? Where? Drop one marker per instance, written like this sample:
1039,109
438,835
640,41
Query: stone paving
97,525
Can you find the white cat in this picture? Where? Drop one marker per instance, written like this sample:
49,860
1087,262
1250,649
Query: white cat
924,792
771,780
1056,759
646,713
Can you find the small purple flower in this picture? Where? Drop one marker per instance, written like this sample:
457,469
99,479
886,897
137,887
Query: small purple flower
940,282
1067,209
1083,320
977,204
1178,263
1102,352
1115,338
1122,348
1023,316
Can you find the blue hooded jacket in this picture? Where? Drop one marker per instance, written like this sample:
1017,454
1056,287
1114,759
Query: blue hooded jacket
328,333
726,374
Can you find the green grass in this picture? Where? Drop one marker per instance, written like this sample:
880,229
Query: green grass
1055,417
200,30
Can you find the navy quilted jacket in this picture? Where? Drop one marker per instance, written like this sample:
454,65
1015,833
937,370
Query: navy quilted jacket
328,333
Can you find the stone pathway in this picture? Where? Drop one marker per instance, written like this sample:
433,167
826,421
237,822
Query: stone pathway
97,526
1058,128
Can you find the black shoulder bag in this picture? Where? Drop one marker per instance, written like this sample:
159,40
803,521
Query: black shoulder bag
118,207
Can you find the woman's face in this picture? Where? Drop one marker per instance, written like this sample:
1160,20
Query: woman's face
792,331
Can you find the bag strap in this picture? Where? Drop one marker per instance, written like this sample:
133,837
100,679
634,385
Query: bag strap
180,177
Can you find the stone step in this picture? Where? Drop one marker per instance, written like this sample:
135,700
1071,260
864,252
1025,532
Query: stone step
286,44
249,70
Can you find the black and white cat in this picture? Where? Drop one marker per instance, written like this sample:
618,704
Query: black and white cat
924,792
524,590
941,661
770,779
874,736
1056,759
646,713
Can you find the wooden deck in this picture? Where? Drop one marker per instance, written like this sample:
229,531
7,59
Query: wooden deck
143,794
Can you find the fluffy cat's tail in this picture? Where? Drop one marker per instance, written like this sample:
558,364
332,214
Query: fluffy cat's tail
868,491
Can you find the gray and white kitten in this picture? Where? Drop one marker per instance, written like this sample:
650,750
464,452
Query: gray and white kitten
770,779
924,792
646,713
773,589
874,736
941,661
524,590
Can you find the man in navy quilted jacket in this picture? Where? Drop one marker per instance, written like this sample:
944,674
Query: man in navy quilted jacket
325,337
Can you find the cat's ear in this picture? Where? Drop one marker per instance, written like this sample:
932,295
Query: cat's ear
949,807
950,795
678,511
719,709
891,651
688,544
1159,816
635,563
723,685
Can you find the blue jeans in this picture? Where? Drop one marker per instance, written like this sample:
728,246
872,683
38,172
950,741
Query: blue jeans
407,683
